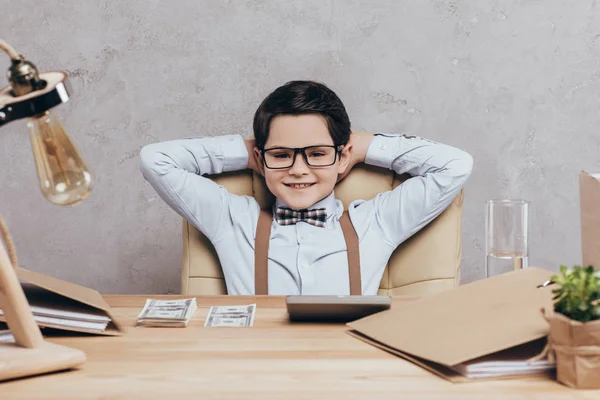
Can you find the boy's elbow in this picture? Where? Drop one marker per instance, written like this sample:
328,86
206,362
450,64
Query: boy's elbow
467,164
149,157
461,168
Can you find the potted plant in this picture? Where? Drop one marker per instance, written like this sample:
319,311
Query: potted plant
574,338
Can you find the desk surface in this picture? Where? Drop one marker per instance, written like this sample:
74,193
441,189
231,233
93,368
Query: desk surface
273,360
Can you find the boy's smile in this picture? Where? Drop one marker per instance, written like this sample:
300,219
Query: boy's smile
300,186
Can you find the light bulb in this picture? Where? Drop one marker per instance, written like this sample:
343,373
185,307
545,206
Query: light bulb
64,177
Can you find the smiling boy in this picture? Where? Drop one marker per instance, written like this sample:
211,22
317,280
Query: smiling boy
303,145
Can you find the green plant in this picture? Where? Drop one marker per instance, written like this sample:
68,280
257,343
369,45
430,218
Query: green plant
578,293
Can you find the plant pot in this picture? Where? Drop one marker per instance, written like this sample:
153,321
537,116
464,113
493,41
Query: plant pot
576,348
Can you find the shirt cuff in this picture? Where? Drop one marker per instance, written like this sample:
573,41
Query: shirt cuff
382,151
235,153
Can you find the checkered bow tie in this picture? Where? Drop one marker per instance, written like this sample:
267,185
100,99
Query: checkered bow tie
315,216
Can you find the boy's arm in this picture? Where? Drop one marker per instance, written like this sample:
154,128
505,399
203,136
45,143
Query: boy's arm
175,168
438,173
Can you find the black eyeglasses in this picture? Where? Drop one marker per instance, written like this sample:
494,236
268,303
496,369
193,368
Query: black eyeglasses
314,156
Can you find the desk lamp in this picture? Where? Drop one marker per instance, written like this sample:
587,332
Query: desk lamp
64,179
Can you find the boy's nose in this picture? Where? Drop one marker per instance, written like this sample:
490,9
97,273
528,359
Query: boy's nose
300,167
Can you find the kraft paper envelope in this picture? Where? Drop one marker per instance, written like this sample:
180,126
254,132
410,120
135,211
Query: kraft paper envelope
62,294
478,319
589,199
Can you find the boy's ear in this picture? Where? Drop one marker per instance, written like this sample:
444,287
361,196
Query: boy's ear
346,158
258,161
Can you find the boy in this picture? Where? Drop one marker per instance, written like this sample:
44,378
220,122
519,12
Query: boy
303,145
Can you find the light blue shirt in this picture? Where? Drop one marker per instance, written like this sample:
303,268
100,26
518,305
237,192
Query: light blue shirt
303,258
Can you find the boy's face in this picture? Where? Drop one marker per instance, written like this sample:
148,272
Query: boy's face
297,131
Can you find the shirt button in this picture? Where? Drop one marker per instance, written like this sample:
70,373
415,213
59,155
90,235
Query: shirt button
231,139
382,147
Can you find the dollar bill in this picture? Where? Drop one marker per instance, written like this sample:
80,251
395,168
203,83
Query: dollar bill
167,313
231,316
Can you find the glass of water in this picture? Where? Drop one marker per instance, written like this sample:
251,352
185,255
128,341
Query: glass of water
507,234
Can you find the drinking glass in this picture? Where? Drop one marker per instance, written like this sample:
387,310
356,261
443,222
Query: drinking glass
507,231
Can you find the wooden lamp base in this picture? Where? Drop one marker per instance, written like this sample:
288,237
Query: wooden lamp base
17,362
30,354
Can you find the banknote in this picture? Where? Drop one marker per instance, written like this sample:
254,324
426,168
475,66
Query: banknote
167,313
232,316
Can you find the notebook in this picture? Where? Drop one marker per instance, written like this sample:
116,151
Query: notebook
510,362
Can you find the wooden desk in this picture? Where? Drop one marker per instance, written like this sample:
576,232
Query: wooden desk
274,359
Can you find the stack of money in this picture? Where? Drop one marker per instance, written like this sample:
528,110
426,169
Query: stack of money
167,313
233,316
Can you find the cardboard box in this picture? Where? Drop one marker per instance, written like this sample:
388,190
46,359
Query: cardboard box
589,198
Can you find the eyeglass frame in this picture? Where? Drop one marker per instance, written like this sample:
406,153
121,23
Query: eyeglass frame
302,150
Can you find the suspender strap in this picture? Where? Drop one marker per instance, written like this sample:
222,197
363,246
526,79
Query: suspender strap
353,255
261,253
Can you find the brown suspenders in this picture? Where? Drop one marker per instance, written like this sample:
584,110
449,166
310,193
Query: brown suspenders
261,252
353,255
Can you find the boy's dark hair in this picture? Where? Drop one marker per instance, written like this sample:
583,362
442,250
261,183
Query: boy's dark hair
302,97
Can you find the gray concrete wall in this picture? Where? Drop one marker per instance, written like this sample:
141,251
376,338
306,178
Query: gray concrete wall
515,83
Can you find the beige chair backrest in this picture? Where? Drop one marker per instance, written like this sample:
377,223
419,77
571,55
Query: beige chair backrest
426,263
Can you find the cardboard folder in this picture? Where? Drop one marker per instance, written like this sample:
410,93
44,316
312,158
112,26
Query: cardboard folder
589,209
479,319
66,295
